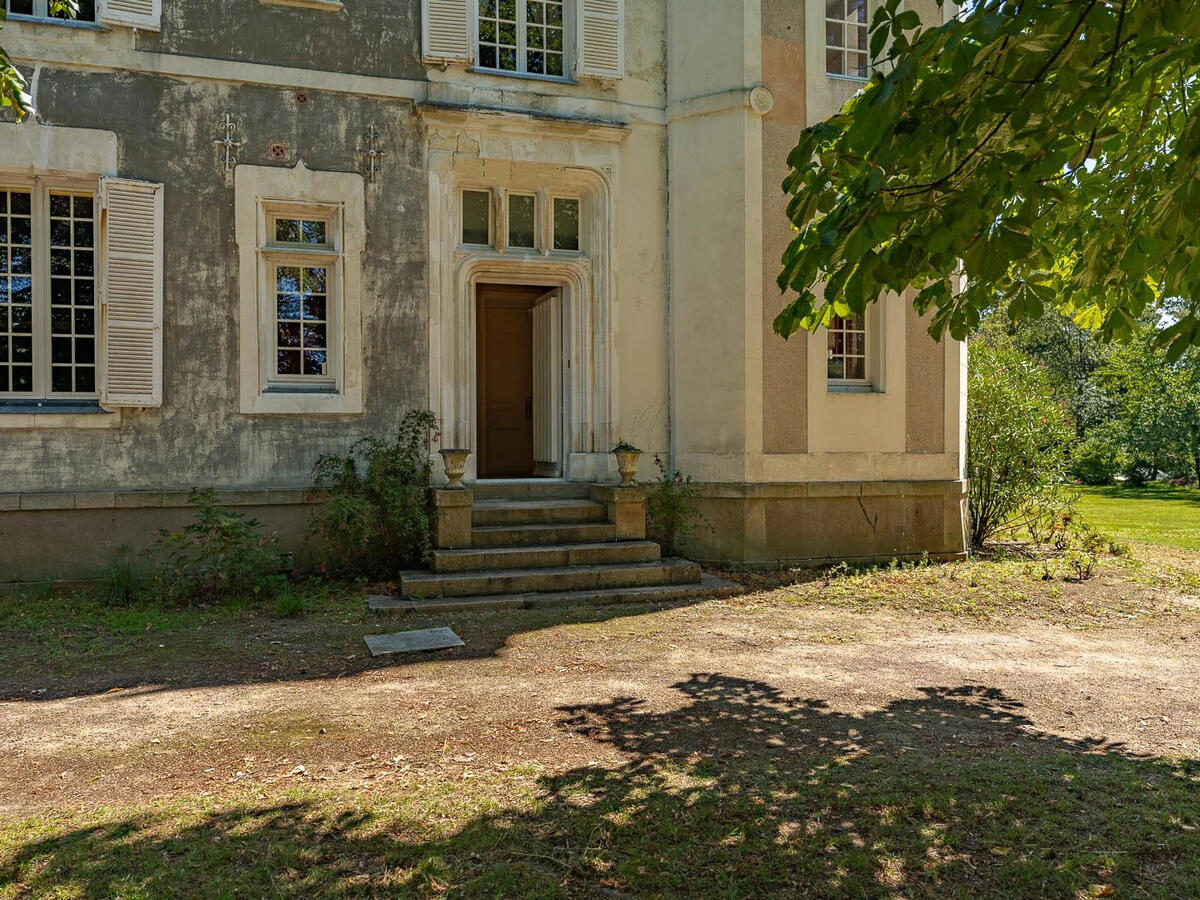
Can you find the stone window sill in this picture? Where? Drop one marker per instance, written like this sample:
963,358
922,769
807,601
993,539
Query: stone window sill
325,5
56,414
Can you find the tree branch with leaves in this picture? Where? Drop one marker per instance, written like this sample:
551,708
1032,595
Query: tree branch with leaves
14,92
1031,154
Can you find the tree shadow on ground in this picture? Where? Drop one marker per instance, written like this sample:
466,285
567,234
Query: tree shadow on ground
76,658
741,791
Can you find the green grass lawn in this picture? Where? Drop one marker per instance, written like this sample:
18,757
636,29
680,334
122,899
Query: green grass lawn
1154,514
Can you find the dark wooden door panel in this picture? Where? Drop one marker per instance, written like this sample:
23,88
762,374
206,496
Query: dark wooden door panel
505,387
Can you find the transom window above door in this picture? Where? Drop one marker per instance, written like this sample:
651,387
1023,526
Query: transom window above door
531,220
527,37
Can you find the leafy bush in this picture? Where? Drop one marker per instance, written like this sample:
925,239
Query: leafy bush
219,556
671,513
1100,456
1017,435
375,519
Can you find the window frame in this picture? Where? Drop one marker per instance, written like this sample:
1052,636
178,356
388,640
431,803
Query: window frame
41,14
522,26
40,189
537,220
845,49
870,355
492,224
273,254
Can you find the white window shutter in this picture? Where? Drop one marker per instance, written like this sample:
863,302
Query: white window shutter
132,314
602,38
145,14
446,30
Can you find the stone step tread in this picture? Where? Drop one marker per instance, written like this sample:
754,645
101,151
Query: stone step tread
589,577
531,490
708,587
540,535
548,503
475,559
537,512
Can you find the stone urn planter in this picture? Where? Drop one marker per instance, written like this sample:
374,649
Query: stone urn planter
627,461
455,462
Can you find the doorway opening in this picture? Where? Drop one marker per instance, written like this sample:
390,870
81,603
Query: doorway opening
519,375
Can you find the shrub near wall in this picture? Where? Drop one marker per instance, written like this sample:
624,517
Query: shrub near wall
375,520
1017,439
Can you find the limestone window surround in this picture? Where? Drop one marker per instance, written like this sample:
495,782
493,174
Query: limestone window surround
264,194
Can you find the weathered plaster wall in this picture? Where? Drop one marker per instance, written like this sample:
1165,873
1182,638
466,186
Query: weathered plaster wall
365,37
165,129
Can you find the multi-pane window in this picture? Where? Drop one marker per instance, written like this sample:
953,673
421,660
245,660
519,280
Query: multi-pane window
53,9
848,349
47,293
301,264
846,38
526,223
525,36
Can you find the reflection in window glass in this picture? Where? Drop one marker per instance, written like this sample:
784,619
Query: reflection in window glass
476,217
566,223
300,231
302,321
521,220
848,348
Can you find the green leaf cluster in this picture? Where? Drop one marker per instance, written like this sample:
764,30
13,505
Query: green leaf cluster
374,520
1036,154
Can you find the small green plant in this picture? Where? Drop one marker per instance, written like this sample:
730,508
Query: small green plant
671,513
220,556
623,446
120,582
375,518
289,602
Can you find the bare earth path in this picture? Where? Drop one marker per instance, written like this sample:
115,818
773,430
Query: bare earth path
760,685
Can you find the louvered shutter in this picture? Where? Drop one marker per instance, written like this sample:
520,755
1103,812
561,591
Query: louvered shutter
602,38
132,314
446,30
145,14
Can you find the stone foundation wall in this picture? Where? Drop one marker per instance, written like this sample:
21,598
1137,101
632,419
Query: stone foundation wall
816,523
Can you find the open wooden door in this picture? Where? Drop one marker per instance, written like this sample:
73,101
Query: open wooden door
547,384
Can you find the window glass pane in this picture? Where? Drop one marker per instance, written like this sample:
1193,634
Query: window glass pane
302,325
476,216
300,231
847,353
85,11
521,217
566,223
16,293
21,7
846,30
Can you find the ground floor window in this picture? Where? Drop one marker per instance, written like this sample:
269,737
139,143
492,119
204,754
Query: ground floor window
847,356
48,321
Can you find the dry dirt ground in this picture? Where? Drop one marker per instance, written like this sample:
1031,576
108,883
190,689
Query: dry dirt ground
939,663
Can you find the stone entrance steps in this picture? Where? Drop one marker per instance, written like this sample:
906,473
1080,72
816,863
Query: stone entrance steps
550,544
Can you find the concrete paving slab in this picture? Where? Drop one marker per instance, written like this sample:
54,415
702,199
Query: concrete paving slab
412,641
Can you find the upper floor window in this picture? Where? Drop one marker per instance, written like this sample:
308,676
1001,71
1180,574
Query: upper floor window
52,9
846,38
848,350
523,36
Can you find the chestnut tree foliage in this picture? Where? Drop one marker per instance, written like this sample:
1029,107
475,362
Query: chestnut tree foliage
1026,154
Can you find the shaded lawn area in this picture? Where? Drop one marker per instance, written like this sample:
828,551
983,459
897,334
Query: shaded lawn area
696,774
1154,514
740,791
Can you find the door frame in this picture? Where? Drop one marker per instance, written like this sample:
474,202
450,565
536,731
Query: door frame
585,365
